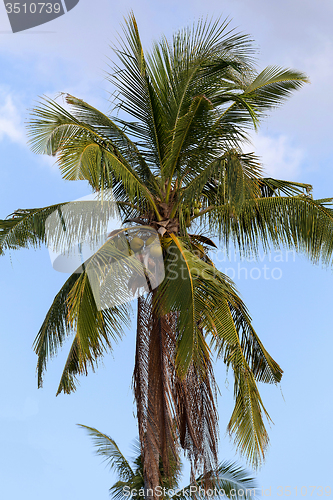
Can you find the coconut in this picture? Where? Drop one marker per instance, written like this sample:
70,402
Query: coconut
156,251
151,240
136,244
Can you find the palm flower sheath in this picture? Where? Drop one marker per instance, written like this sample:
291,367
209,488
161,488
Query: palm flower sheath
172,156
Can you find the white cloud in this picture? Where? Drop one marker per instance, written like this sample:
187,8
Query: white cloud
279,158
11,122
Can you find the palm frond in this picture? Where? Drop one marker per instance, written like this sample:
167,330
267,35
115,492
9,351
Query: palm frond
227,480
178,293
270,187
229,181
137,94
181,131
294,222
108,128
74,312
237,341
107,448
214,306
246,424
84,153
25,227
273,86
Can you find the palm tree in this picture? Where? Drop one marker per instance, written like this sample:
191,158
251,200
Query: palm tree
227,480
173,159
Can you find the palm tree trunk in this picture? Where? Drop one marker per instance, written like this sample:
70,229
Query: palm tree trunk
153,388
170,410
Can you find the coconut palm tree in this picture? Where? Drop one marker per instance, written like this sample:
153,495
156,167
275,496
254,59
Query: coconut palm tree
227,480
172,155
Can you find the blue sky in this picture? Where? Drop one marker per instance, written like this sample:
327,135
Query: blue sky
43,454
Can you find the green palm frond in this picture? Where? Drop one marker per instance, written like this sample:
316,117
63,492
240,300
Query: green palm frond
62,225
229,181
229,480
54,329
84,153
25,227
107,448
213,306
216,307
278,187
108,128
253,97
74,312
182,128
294,222
236,341
137,95
246,424
233,330
273,86
207,304
179,293
230,475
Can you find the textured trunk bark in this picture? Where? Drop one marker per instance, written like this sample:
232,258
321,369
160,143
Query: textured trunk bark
153,387
165,402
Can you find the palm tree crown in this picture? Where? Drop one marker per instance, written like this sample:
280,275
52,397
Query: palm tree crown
228,480
173,159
